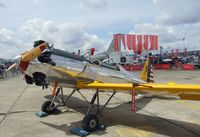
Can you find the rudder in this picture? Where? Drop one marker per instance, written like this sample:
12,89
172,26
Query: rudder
147,73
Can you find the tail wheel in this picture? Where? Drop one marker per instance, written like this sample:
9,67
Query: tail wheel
90,123
47,107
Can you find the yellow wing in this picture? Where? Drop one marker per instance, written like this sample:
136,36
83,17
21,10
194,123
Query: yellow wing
184,91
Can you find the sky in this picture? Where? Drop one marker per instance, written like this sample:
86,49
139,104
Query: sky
82,24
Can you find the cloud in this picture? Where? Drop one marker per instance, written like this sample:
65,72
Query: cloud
171,36
2,5
10,44
68,36
166,34
36,1
178,12
92,5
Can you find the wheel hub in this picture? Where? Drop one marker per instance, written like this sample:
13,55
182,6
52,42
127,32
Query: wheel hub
92,123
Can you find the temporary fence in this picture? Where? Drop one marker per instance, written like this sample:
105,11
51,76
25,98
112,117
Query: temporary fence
187,67
137,67
133,67
162,66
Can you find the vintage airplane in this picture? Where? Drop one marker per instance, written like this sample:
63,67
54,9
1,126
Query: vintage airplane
45,66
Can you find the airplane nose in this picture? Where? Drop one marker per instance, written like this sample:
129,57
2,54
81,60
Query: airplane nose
17,57
26,57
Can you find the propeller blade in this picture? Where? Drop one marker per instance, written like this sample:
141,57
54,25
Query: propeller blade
11,67
35,52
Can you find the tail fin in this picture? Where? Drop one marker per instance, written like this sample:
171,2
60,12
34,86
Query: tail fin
115,44
147,73
111,47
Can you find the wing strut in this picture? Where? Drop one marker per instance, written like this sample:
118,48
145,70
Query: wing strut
50,107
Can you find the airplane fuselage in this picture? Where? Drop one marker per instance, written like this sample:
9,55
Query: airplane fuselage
70,71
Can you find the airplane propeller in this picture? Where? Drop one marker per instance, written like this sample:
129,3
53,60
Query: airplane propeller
28,56
32,54
11,67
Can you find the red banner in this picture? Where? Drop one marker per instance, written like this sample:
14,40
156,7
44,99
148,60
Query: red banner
133,42
146,39
152,42
116,43
139,44
156,42
122,36
129,42
128,38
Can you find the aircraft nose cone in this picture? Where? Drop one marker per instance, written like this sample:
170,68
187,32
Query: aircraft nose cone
18,57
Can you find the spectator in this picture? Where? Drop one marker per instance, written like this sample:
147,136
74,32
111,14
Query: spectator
2,70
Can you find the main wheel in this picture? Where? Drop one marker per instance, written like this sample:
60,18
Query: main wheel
47,108
90,123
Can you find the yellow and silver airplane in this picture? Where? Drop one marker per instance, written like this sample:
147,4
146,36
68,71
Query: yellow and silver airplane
46,66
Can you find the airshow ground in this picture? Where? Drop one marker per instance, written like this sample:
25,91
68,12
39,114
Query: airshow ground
155,116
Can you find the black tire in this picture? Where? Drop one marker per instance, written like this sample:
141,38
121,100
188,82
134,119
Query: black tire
90,123
46,107
123,59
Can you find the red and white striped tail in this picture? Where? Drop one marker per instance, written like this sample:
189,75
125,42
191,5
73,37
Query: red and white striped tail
151,76
147,73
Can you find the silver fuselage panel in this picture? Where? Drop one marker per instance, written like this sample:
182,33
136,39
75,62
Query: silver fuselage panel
85,72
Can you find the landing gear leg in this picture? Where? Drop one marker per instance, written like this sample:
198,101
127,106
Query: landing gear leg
49,106
90,122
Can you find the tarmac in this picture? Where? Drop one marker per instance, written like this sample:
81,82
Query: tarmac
154,117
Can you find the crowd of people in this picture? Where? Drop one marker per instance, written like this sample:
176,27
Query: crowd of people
11,73
189,59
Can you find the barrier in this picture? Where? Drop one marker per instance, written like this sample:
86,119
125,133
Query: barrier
133,67
136,67
162,66
166,66
187,67
127,67
157,66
